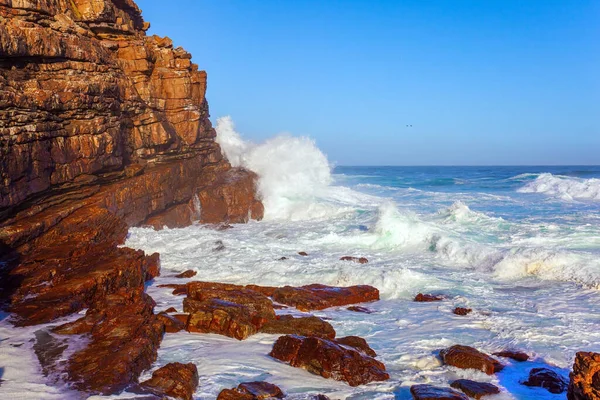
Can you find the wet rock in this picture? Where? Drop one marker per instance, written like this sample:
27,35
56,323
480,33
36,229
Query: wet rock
172,323
170,310
252,391
178,288
547,379
425,298
328,359
283,258
304,326
473,389
318,297
175,380
124,339
320,397
462,311
429,392
303,253
220,246
466,357
221,317
359,309
48,350
186,274
515,355
584,383
357,343
360,260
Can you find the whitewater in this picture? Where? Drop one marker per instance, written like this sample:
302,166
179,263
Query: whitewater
518,245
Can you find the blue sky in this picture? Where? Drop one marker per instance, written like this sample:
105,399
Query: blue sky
481,82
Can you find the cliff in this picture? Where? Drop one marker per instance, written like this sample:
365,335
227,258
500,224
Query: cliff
101,128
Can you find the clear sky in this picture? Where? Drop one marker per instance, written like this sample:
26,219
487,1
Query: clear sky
481,82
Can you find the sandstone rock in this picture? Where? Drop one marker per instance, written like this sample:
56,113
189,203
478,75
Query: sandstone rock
328,359
172,323
125,336
252,391
515,355
175,380
429,392
357,343
584,381
462,311
473,389
178,288
547,379
428,297
186,274
360,260
170,310
318,297
220,316
304,326
466,357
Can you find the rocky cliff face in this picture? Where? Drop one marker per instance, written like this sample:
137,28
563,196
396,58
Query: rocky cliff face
101,128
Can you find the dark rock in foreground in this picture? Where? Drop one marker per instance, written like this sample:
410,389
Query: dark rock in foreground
429,392
251,391
473,389
466,357
547,379
584,381
328,359
176,380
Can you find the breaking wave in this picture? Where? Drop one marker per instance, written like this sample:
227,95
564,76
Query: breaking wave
563,187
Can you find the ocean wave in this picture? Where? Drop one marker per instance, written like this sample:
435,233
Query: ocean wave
564,188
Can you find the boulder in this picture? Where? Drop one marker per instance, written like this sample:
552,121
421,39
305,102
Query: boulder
429,392
547,379
359,309
252,391
304,326
466,357
176,380
462,311
357,343
584,383
425,298
473,389
318,297
221,317
328,359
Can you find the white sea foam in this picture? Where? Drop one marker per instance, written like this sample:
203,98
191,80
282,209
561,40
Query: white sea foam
565,188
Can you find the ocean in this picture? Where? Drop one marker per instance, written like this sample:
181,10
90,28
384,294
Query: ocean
518,245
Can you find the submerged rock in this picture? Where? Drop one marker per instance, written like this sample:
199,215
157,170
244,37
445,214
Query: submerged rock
176,380
466,357
252,391
584,383
328,359
547,379
360,260
462,311
425,298
514,355
359,309
473,389
318,297
429,392
303,253
304,326
186,274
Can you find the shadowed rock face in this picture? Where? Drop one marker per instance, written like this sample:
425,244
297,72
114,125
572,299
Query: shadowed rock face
466,357
428,392
176,380
584,381
476,390
547,379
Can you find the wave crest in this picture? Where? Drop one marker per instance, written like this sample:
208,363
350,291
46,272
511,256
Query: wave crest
563,187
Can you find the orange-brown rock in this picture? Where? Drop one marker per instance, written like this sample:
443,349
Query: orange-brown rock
512,354
466,357
426,298
318,297
175,380
584,383
360,260
304,326
462,311
186,274
173,324
124,339
252,391
357,343
476,390
178,288
329,359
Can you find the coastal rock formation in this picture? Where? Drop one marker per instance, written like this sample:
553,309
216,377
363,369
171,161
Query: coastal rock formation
429,392
466,357
319,297
476,390
461,311
512,354
426,298
584,381
305,326
252,391
547,379
175,380
101,128
328,359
